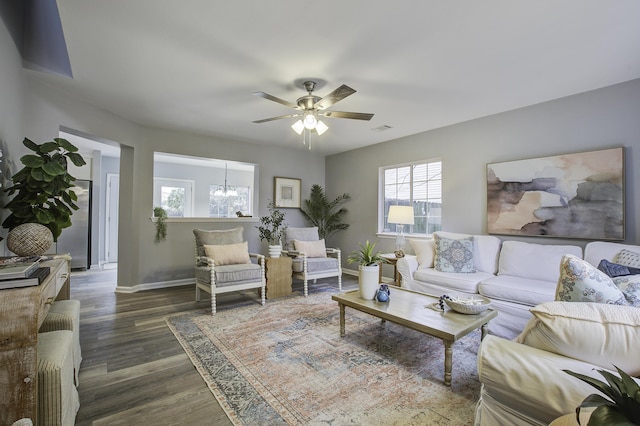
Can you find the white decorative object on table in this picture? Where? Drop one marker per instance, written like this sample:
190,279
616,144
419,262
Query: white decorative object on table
472,305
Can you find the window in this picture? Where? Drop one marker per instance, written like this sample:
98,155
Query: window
218,188
223,204
416,184
175,196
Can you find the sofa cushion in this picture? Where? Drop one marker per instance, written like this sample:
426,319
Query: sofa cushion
582,282
520,290
454,255
302,234
601,334
485,250
230,274
228,254
628,258
595,251
533,261
311,248
315,264
216,237
425,251
467,283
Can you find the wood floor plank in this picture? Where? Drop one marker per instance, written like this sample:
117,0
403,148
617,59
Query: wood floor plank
134,371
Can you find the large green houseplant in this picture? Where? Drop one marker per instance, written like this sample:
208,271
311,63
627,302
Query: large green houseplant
42,188
324,213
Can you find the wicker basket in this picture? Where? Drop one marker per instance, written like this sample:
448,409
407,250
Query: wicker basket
468,308
29,239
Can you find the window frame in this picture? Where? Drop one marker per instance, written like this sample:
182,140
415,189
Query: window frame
408,230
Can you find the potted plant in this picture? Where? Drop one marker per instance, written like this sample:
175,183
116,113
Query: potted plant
369,272
161,223
43,196
623,406
323,213
271,229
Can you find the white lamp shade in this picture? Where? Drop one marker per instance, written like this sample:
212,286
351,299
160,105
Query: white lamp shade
401,215
310,121
321,127
298,127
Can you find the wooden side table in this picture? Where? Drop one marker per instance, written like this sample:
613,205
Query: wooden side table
391,260
279,276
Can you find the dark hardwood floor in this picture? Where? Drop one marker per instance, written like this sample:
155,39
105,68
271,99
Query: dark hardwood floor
134,371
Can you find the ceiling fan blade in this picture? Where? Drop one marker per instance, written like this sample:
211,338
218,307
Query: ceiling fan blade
264,120
344,114
335,96
274,99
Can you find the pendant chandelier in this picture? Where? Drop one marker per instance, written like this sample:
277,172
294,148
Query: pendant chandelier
226,191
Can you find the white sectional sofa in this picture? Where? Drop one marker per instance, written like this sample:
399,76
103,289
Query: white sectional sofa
515,275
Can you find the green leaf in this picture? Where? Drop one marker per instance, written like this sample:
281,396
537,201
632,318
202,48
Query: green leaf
66,144
48,147
54,168
32,161
31,145
38,174
607,416
76,159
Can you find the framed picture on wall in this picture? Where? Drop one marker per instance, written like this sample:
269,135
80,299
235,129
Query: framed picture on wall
579,195
286,192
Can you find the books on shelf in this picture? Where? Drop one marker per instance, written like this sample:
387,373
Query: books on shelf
35,278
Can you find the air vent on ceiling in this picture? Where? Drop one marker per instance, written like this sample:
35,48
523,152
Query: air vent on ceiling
381,128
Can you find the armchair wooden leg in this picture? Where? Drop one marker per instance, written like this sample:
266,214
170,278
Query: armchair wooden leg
306,287
340,282
213,301
263,291
197,293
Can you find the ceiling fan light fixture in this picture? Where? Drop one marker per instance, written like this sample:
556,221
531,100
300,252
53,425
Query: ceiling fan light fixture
321,127
298,127
310,121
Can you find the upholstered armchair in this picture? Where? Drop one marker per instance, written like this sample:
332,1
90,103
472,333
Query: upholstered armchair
311,259
224,264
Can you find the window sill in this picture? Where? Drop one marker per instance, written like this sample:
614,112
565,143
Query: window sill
392,236
208,219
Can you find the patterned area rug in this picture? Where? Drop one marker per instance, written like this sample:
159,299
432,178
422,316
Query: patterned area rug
285,364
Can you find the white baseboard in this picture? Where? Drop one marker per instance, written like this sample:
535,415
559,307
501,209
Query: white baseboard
160,284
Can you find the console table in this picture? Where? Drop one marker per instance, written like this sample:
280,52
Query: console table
22,311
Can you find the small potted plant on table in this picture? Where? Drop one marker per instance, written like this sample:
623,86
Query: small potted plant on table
369,273
271,230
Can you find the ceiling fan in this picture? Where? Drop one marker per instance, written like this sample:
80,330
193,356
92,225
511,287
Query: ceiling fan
310,106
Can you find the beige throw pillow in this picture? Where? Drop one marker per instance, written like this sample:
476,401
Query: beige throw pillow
311,248
228,254
425,251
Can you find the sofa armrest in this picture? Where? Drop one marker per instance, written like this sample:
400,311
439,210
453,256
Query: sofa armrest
531,381
407,266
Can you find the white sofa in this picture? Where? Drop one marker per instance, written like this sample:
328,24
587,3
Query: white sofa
522,380
515,275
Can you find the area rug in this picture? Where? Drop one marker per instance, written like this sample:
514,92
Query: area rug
285,364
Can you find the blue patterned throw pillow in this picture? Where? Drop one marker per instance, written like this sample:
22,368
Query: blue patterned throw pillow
454,255
582,282
630,287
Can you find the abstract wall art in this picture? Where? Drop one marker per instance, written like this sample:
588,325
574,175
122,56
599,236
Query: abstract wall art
579,195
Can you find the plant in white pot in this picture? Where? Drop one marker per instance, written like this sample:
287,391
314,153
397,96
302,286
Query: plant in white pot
43,201
369,273
271,230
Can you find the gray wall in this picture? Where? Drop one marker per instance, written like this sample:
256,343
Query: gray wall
599,119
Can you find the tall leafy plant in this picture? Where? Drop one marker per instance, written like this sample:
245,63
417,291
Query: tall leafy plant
272,227
42,187
323,213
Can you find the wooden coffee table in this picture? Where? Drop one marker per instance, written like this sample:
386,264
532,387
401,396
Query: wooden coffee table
411,309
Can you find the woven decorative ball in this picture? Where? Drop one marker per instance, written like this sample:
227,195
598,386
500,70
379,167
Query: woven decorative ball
29,239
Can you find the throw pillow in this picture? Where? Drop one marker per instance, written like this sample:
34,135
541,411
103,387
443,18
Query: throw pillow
616,269
630,287
425,251
628,258
454,255
582,282
228,254
311,248
599,334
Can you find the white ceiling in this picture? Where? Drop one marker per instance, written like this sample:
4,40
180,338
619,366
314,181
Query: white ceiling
191,65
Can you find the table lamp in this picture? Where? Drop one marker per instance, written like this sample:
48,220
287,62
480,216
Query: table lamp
400,215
